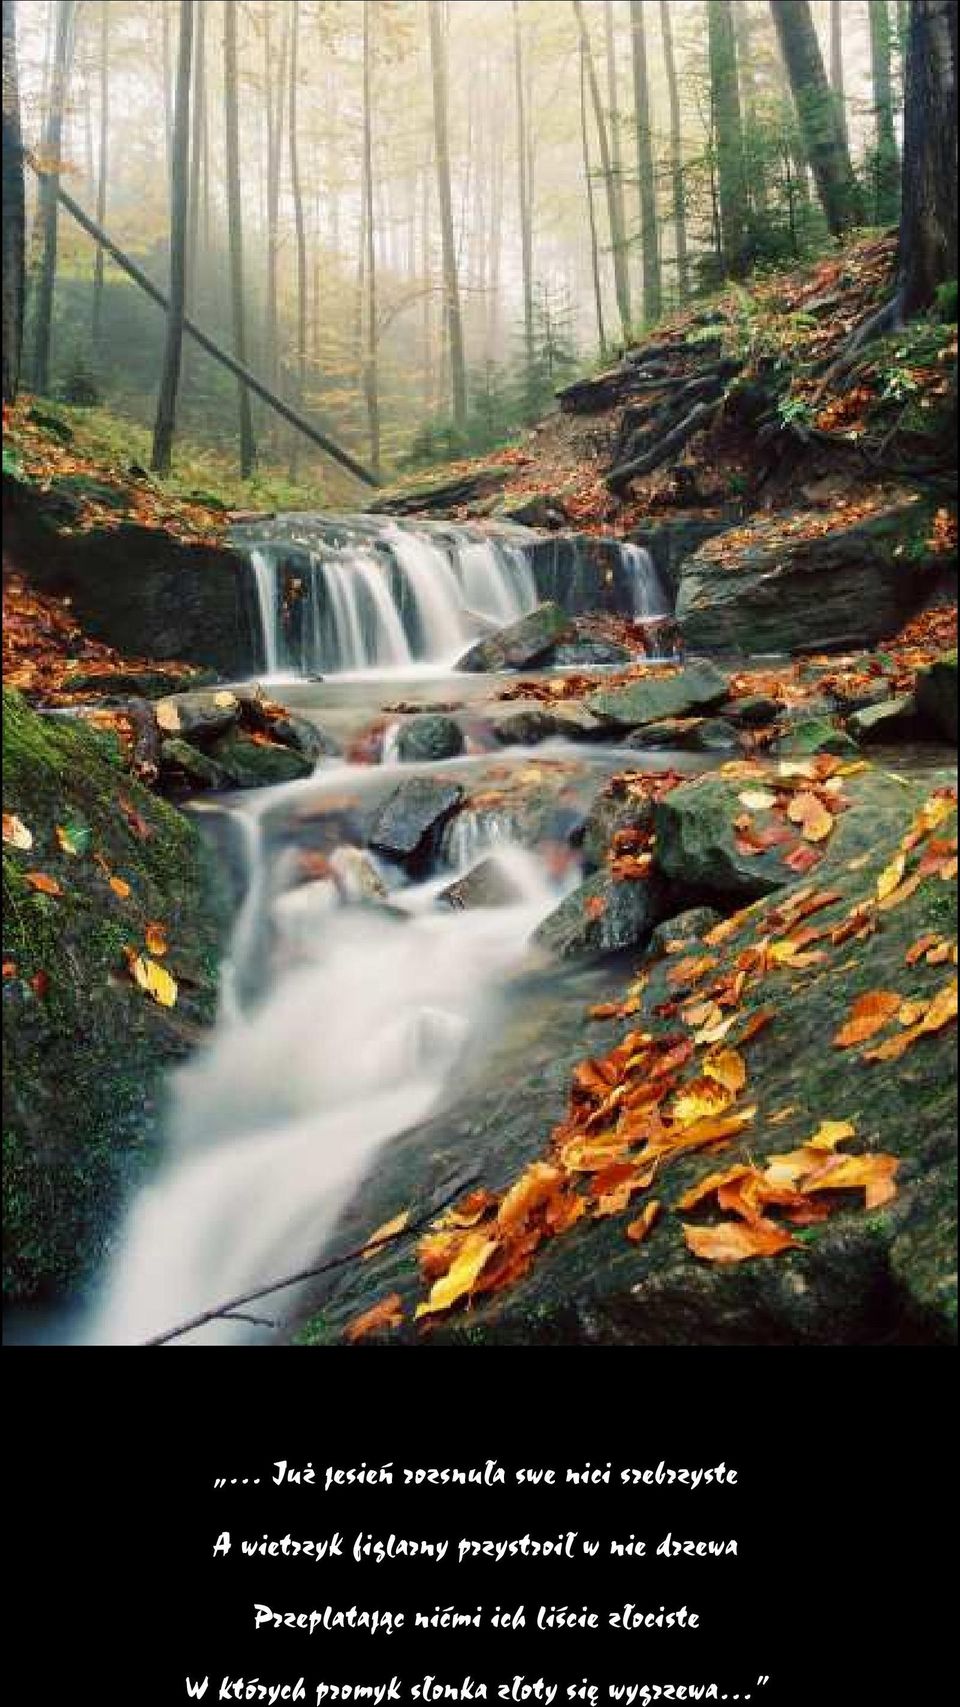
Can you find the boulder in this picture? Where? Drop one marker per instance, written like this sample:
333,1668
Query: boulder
528,725
684,928
586,654
255,764
152,682
198,715
407,825
755,710
662,693
602,916
687,734
198,768
696,843
608,814
428,737
889,719
787,587
520,643
489,884
937,696
810,735
356,876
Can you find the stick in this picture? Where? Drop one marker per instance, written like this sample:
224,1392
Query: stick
233,1305
206,342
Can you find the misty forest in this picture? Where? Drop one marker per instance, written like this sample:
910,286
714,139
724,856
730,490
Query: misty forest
480,675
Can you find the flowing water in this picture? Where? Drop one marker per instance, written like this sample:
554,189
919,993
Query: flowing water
349,998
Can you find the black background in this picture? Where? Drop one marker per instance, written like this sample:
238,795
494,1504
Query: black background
841,1513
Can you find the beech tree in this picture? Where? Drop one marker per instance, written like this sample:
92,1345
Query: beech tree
13,210
823,136
649,232
728,133
235,231
165,423
451,286
47,201
928,221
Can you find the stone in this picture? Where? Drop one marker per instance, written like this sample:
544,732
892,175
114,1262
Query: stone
811,735
520,643
602,916
890,719
649,699
687,734
253,764
356,876
782,589
696,843
528,725
607,814
149,683
687,927
489,884
755,710
428,737
408,823
198,715
197,767
937,696
586,654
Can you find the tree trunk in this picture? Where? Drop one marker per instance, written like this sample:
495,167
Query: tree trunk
438,62
299,226
886,158
613,109
102,170
167,91
649,233
179,187
526,220
370,383
728,139
928,222
248,454
823,138
836,64
47,201
196,159
591,210
274,88
14,217
676,154
620,277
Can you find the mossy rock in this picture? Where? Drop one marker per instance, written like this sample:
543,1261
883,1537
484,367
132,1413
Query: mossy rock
700,686
86,1049
811,735
252,764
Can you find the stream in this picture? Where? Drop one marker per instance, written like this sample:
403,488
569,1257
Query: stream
351,1001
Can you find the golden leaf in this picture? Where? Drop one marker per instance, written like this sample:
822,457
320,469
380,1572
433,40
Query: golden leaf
736,1241
475,1249
40,881
384,1234
728,1067
699,1100
155,938
869,1014
639,1229
120,887
154,979
891,875
387,1313
830,1133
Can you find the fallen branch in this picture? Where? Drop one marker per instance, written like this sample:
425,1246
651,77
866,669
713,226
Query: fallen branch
204,340
699,417
231,1309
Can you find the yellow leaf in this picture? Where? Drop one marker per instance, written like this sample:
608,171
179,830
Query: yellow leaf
701,1099
384,1234
735,1241
890,876
155,979
830,1133
638,1230
474,1251
757,799
155,938
728,1067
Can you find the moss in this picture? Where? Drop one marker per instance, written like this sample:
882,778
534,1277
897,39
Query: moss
86,1049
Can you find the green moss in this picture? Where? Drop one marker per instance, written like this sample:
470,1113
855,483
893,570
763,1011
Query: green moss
86,1049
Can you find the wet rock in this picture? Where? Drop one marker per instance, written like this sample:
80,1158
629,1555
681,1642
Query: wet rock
686,928
602,917
782,591
937,696
199,715
149,683
356,876
253,764
197,768
650,699
696,843
810,735
687,734
540,510
755,710
489,884
519,643
408,824
291,730
890,719
586,654
428,737
528,725
608,814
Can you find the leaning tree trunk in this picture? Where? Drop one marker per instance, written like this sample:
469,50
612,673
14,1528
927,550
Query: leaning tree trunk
591,210
617,243
928,222
728,131
47,201
451,287
248,454
676,154
886,158
14,219
820,126
649,235
179,188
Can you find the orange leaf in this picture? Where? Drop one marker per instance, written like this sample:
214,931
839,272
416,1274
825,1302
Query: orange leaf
156,939
474,1251
728,1067
802,859
918,949
639,1229
701,1099
15,831
736,1241
536,1185
384,1234
39,880
869,1014
120,887
816,823
595,907
847,1173
387,1313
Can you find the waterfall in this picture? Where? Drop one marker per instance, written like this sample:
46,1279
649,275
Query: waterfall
649,596
265,582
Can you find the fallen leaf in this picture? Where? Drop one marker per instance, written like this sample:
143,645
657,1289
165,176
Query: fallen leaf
39,880
847,1173
595,907
829,1134
815,822
803,858
154,979
387,1313
120,887
918,949
474,1251
536,1185
891,875
757,799
639,1229
728,1067
869,1014
701,1100
736,1241
73,839
15,832
155,938
384,1234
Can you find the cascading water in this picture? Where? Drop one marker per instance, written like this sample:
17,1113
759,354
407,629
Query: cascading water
651,601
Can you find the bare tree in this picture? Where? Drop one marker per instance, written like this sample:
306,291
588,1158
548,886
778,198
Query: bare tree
248,454
370,378
451,287
676,153
649,233
102,171
886,157
526,212
165,422
300,229
14,221
728,134
47,200
836,63
617,244
591,209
